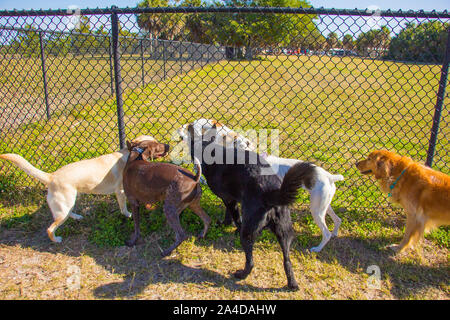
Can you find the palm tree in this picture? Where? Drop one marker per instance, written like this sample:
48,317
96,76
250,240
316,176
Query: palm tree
348,42
332,40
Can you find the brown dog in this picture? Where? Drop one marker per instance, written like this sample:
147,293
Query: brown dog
423,192
149,182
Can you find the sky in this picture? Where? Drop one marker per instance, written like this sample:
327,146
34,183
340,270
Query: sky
438,5
326,24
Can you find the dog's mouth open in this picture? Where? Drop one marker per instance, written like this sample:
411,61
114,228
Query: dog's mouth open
160,152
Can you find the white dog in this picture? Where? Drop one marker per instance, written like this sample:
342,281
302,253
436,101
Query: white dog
101,175
223,135
321,193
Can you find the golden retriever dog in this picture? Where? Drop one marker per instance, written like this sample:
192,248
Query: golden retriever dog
101,175
424,193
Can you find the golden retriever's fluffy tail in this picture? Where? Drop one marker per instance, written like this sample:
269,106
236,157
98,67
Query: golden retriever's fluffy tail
23,164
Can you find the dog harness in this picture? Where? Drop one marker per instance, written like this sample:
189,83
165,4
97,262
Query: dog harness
395,182
138,150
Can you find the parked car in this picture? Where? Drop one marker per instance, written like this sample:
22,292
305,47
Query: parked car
337,52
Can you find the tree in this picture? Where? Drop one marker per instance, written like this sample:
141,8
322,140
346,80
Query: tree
424,42
253,29
168,26
310,38
57,44
332,41
247,30
27,43
82,40
348,42
374,42
200,27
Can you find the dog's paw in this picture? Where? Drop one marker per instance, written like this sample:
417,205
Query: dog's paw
131,242
75,216
393,247
57,239
315,249
165,253
293,286
127,214
241,274
201,235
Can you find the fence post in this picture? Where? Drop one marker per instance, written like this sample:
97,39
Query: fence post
44,75
439,103
164,58
143,64
117,76
111,62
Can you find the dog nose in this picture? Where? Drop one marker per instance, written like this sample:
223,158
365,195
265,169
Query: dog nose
166,148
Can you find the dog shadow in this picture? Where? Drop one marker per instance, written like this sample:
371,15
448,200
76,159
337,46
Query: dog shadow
403,274
138,266
142,265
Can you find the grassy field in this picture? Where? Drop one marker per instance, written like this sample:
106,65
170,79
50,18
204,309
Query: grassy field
72,83
331,111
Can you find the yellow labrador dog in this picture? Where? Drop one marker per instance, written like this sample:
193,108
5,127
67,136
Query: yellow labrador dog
101,175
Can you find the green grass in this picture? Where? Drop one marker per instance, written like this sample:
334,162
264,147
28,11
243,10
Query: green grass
331,111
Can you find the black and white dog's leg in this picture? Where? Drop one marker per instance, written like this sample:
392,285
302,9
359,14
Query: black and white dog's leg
319,205
337,221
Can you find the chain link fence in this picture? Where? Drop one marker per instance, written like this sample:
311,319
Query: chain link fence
336,84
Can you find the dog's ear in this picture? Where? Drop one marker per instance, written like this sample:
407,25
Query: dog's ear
384,168
129,146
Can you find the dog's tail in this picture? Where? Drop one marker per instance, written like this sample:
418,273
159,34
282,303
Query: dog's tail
298,175
199,169
335,177
23,164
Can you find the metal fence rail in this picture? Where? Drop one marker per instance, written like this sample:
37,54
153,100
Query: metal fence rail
336,84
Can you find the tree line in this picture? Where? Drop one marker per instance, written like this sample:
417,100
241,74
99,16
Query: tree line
82,40
421,42
247,33
242,31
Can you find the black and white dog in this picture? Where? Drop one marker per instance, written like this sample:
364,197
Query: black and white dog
321,191
241,176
